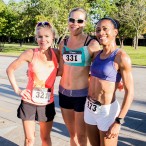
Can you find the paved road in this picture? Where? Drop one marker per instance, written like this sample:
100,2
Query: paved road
133,132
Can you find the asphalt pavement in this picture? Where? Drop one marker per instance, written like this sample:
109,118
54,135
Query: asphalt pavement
133,132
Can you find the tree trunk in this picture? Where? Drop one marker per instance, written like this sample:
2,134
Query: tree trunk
121,40
9,39
122,43
20,42
1,46
136,40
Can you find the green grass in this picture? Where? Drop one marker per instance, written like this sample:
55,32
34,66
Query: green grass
15,49
138,56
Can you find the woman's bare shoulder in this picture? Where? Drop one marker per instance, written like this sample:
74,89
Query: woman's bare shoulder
27,55
123,58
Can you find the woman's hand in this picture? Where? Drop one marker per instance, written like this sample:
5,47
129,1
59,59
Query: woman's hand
120,86
25,94
113,131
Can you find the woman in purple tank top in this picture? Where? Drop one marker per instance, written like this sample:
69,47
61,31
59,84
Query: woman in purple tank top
103,115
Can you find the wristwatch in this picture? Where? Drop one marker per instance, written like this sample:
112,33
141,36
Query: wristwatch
119,120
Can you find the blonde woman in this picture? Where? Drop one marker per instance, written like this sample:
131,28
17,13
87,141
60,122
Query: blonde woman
76,53
37,102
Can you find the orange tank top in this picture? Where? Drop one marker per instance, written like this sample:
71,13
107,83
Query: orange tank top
41,78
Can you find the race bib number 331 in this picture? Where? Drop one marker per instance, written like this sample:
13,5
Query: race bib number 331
72,57
41,95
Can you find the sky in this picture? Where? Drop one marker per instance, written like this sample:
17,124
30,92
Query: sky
6,1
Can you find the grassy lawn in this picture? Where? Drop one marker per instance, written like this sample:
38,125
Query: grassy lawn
15,49
138,56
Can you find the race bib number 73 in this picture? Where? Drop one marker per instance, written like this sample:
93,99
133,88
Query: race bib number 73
93,107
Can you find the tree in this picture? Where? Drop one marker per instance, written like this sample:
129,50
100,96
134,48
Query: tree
100,9
132,15
2,23
11,16
56,12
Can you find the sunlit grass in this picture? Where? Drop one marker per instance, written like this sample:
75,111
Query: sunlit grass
138,57
15,49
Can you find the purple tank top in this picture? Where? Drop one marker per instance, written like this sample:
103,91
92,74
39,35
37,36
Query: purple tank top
104,68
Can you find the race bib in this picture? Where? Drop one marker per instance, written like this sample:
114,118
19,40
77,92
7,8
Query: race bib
41,95
93,106
72,56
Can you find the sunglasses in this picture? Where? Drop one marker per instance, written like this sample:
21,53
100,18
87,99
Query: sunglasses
43,24
72,20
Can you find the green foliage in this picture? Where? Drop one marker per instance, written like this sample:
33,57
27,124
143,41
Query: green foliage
18,20
55,11
102,8
2,18
132,17
11,20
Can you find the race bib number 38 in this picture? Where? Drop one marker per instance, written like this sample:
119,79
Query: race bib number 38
41,95
93,107
72,56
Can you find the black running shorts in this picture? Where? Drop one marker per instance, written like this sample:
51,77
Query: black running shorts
27,111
